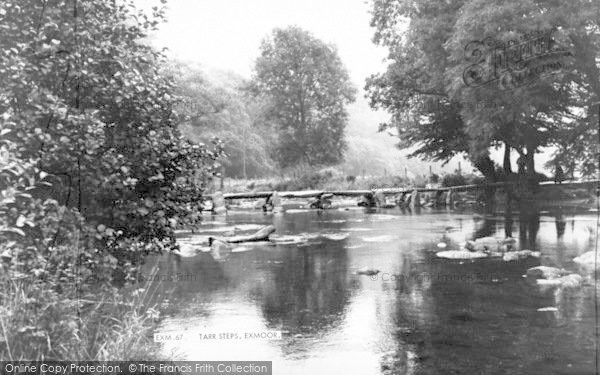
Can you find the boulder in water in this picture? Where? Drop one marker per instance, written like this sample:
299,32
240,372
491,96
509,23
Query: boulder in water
509,241
489,243
558,277
546,282
321,202
366,200
379,197
218,201
587,259
545,272
571,281
474,246
219,249
336,236
415,199
461,254
260,235
568,281
484,244
517,255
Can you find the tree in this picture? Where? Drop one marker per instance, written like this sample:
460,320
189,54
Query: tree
218,106
307,88
413,89
87,113
424,86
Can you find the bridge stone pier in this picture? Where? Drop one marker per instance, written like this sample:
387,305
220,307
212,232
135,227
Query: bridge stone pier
404,197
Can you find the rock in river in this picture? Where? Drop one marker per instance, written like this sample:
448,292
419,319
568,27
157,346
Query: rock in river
554,277
484,244
517,255
545,272
219,249
461,254
571,281
367,271
587,259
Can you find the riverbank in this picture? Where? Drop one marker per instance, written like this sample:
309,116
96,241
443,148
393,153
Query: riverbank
44,322
330,179
543,196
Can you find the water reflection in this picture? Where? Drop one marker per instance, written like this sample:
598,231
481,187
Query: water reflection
307,291
529,225
561,224
420,315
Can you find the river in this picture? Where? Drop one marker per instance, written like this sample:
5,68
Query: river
419,315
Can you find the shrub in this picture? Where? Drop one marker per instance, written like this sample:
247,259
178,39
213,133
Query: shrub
98,147
94,173
453,179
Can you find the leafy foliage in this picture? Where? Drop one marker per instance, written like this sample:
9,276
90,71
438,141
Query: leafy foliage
424,87
307,88
92,160
219,106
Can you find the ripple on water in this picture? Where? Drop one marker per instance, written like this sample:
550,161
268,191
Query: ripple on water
241,249
283,239
298,210
191,248
336,236
350,247
244,227
219,230
382,238
213,223
382,217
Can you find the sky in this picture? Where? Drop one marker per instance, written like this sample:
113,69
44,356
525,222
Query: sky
226,34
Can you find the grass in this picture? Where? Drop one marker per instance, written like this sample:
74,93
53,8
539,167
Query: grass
330,179
39,323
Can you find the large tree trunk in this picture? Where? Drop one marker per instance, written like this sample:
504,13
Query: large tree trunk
529,157
532,179
506,164
486,166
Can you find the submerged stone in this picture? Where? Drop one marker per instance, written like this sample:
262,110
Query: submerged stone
545,272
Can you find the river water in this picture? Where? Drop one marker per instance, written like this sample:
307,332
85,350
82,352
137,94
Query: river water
419,315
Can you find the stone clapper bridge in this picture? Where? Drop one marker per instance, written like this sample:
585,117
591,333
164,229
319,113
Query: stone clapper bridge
404,197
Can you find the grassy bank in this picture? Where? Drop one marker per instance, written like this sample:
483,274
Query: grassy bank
330,179
39,322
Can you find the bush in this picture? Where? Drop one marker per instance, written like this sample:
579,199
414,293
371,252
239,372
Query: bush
454,179
94,174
